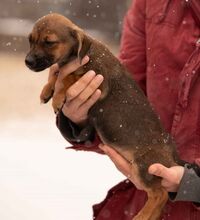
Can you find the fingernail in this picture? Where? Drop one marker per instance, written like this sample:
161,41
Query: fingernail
85,59
152,170
91,73
99,77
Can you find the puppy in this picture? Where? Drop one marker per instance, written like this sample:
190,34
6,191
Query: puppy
122,117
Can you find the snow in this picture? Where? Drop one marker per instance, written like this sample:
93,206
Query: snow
39,179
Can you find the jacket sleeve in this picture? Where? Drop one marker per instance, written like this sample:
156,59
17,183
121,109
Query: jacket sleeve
84,138
133,43
189,189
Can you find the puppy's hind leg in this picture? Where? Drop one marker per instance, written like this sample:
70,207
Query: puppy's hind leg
157,199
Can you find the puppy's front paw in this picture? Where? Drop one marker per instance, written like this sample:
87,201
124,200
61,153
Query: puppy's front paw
58,102
46,94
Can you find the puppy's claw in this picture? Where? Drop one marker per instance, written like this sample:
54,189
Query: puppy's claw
57,105
56,111
46,96
44,100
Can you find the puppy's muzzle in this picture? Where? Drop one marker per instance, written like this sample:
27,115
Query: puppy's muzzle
37,63
30,61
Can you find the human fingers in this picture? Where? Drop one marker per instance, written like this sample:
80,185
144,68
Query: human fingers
79,115
84,108
66,70
83,91
53,70
72,66
81,96
91,88
80,85
171,177
161,171
120,162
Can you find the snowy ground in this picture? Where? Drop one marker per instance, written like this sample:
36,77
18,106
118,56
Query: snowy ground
39,179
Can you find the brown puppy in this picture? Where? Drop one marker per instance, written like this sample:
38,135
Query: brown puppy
122,117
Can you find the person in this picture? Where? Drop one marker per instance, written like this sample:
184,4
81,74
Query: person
161,48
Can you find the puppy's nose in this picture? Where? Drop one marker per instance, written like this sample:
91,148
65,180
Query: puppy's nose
30,61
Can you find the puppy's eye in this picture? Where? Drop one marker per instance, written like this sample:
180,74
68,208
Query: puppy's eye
48,43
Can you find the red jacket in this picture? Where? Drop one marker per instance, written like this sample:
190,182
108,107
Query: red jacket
160,48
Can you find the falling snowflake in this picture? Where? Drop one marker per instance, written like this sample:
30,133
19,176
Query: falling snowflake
8,44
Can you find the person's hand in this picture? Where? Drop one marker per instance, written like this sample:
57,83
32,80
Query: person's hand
83,94
123,165
171,177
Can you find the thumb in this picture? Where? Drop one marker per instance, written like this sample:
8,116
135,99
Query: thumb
54,68
160,170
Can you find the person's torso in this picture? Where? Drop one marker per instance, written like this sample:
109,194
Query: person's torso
173,71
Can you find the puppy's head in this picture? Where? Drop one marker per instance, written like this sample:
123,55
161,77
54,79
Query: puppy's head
54,39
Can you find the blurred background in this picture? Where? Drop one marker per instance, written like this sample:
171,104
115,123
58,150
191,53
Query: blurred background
39,179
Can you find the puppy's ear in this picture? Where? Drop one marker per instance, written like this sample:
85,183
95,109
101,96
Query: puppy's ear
80,47
83,43
79,37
